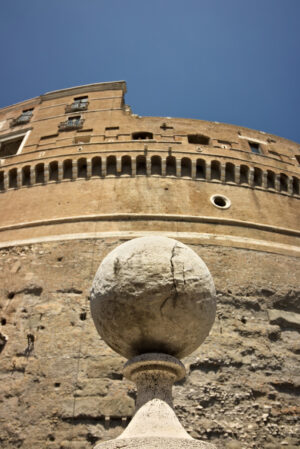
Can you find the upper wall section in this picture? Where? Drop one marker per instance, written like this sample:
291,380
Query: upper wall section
52,144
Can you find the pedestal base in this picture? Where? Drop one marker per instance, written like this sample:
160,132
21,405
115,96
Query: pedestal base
155,443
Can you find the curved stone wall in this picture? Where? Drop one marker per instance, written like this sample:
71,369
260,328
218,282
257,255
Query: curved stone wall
68,168
80,174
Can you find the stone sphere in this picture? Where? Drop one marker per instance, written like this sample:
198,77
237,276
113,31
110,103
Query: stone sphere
153,294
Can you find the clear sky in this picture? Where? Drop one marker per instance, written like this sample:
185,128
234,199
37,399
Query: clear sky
232,61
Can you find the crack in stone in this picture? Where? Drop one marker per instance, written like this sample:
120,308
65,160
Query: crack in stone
175,296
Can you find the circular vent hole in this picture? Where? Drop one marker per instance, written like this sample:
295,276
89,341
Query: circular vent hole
220,201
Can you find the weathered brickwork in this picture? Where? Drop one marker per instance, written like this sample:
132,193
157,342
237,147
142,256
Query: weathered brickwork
78,188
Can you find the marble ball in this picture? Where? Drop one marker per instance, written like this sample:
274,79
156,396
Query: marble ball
153,294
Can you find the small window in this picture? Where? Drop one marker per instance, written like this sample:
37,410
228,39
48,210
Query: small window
198,139
171,166
23,118
223,144
142,135
50,136
255,147
96,166
79,104
1,180
74,122
141,167
126,165
112,128
274,153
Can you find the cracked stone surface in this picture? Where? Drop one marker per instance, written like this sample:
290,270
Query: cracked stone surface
153,294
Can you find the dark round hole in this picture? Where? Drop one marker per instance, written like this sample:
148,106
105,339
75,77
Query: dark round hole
11,295
219,201
57,384
59,259
3,321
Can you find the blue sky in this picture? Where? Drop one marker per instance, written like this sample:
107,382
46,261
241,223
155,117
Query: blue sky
232,61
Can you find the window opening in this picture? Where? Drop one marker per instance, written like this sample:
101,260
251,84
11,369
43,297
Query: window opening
82,168
257,178
111,166
198,139
9,147
67,169
141,165
229,172
23,118
112,128
295,185
171,166
50,136
39,174
255,147
71,123
142,135
53,171
283,182
224,144
96,166
79,104
126,165
1,180
186,167
270,180
12,178
200,169
244,174
215,170
156,165
26,176
274,153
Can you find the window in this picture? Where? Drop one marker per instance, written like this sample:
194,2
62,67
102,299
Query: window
112,128
223,144
141,168
200,169
215,170
255,147
126,165
12,145
142,135
186,167
23,118
198,139
171,166
155,165
274,153
74,122
229,172
79,104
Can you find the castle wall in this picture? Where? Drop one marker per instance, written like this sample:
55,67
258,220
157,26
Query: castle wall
80,174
